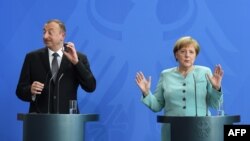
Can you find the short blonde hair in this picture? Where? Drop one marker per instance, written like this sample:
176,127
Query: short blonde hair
184,42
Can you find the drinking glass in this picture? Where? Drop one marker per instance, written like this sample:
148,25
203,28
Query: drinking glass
73,106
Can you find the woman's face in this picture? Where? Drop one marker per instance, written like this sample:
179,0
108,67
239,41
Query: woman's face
186,56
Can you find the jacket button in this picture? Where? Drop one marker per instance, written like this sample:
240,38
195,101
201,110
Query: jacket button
184,99
183,91
184,107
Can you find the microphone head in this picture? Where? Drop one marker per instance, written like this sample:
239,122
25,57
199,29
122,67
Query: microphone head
61,76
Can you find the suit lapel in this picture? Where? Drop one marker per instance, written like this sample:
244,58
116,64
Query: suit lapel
45,60
63,66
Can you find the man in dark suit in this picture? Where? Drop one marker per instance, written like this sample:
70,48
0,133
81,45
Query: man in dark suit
48,83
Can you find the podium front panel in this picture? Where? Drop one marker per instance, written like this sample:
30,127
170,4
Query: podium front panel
208,128
55,127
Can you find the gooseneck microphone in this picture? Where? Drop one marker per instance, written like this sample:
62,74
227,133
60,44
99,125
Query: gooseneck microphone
36,97
195,95
50,80
58,88
206,102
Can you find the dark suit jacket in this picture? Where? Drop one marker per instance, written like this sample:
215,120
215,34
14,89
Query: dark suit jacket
36,67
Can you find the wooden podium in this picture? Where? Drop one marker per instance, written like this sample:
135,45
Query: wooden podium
206,128
55,127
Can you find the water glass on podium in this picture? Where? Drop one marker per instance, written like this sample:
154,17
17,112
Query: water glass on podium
73,106
220,110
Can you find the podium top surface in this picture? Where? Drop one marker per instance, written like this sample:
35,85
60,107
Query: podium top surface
224,119
83,117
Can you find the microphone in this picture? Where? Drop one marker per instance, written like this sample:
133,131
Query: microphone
58,86
37,96
46,78
206,103
50,80
195,95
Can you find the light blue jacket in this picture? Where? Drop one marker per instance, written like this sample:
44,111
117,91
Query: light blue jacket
176,94
183,96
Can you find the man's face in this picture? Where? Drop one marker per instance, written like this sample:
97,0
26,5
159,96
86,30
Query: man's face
53,36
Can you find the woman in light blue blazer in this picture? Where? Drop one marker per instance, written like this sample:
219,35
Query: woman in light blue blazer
178,86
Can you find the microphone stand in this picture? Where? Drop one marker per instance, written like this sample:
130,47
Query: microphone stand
195,95
206,103
36,96
58,86
50,80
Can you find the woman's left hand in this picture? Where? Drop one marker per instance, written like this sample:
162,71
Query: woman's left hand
217,77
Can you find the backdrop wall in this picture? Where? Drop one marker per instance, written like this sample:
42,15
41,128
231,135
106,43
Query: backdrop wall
121,37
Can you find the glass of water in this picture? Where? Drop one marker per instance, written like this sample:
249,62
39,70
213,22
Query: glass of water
220,110
73,106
